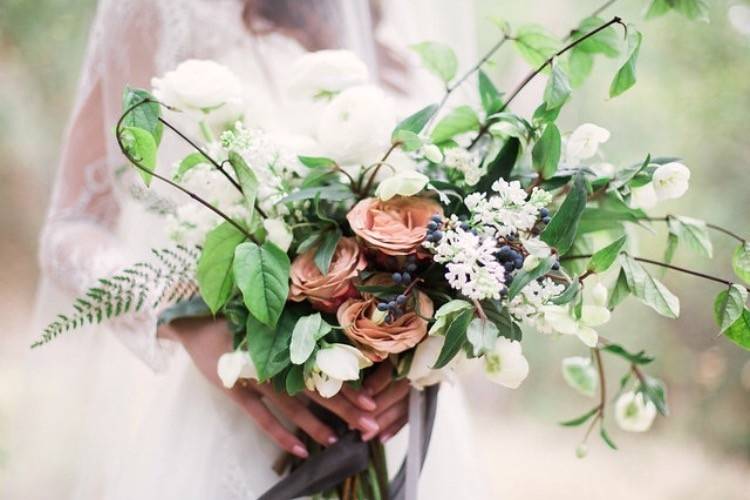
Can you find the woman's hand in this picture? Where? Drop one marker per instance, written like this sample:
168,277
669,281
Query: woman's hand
206,340
391,398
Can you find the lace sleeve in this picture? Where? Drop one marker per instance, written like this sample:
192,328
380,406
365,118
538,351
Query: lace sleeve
78,242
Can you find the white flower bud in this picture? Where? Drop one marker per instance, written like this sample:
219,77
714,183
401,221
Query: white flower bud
671,180
432,153
506,365
584,142
235,365
633,413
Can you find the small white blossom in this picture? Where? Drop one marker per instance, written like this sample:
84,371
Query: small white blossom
584,142
594,313
325,72
335,364
406,183
432,153
506,364
671,180
529,304
634,413
235,365
643,196
466,162
421,374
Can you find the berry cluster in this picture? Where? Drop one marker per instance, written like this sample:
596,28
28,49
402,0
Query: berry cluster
434,232
394,304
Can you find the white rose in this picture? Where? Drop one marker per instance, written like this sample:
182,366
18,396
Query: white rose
421,373
406,183
584,142
505,364
633,413
355,127
335,364
643,196
278,233
201,87
671,180
326,71
235,365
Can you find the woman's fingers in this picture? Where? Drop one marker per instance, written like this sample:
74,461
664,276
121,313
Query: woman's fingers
393,429
298,413
395,393
250,402
379,379
392,419
356,418
358,398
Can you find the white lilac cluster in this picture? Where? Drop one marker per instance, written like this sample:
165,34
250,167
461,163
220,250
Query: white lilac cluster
466,162
529,304
508,210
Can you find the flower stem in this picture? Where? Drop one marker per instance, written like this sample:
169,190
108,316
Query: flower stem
715,227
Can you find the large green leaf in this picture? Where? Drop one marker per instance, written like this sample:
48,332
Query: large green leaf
306,333
262,275
657,8
523,277
729,306
326,249
561,231
455,337
546,153
580,374
558,89
741,261
649,290
492,99
739,332
145,116
461,119
316,162
141,147
695,10
269,346
535,44
248,182
693,232
580,64
187,163
501,166
604,258
620,290
335,192
214,272
416,122
438,58
606,42
626,75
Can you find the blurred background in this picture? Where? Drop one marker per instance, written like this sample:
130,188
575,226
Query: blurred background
692,100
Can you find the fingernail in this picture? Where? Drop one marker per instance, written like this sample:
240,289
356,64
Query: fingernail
369,424
332,439
300,451
366,402
385,437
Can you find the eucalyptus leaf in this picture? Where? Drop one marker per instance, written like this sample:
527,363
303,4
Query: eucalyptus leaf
729,306
650,290
214,271
262,275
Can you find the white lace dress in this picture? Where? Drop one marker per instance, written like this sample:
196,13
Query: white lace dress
105,425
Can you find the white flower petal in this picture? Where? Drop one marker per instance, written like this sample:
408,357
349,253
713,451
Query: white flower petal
233,366
594,315
406,183
671,180
643,196
633,413
325,385
587,335
584,142
421,373
341,361
506,365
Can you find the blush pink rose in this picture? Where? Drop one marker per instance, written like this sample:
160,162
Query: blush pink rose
394,227
376,338
327,292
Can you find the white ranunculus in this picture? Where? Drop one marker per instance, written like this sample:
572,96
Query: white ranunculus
593,313
406,183
278,233
235,365
643,196
421,374
335,364
432,153
355,127
326,72
584,142
505,364
634,413
203,87
671,180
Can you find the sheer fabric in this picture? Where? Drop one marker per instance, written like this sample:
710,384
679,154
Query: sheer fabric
140,436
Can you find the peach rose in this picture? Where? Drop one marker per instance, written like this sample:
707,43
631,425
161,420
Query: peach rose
376,337
394,227
327,292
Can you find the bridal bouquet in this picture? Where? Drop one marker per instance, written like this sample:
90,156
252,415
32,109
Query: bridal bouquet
429,243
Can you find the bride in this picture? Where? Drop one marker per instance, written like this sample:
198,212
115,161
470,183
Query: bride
171,431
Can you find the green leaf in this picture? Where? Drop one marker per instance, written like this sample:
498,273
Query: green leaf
262,275
535,44
739,332
492,99
580,64
606,42
729,306
580,374
649,290
557,90
482,335
295,380
461,119
672,242
695,10
316,161
445,314
141,147
575,422
693,232
248,182
326,249
657,8
639,358
561,231
306,333
569,294
546,153
189,162
523,277
605,437
455,337
654,390
214,272
145,116
501,166
604,258
619,291
500,316
741,261
409,140
269,346
626,75
416,122
336,192
438,58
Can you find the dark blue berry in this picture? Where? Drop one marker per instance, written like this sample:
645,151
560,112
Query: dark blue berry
509,266
382,306
465,226
401,299
437,218
411,258
432,225
543,212
504,291
437,235
546,219
556,265
518,262
392,304
397,277
411,267
406,278
508,279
